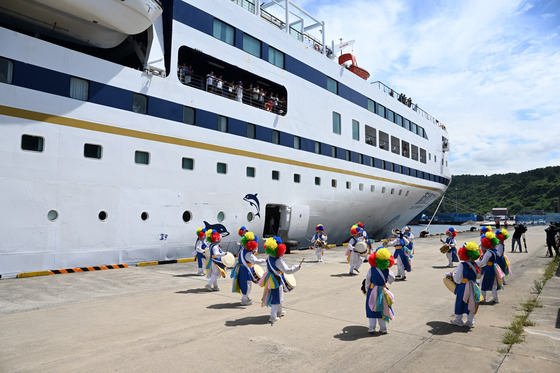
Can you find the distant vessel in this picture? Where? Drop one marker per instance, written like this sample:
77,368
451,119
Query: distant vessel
117,142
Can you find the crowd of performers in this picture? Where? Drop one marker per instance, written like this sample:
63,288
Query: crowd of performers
481,268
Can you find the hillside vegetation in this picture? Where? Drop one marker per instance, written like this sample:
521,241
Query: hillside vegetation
531,190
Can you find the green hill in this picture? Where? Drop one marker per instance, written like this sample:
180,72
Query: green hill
531,190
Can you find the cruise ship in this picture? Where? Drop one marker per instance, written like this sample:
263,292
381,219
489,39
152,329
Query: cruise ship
125,125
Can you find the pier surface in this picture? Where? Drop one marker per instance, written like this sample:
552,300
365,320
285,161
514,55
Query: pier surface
160,318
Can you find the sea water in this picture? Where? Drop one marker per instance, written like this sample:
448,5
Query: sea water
439,228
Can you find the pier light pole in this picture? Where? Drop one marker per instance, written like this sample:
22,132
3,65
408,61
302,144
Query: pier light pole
456,200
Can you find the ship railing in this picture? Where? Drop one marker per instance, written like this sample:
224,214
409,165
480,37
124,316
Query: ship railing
199,82
408,102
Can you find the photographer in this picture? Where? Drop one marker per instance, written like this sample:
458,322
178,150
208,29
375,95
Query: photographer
519,230
551,232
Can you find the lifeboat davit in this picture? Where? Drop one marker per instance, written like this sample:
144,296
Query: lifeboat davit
348,60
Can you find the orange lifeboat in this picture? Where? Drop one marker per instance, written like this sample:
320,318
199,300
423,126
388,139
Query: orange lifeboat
348,60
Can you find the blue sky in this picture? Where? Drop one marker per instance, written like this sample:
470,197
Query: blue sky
488,70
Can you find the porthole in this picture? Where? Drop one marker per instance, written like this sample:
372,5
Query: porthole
221,216
52,215
250,217
187,216
102,215
144,215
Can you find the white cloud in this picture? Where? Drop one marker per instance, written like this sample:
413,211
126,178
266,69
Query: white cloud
487,69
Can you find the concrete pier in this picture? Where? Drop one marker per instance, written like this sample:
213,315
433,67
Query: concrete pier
160,318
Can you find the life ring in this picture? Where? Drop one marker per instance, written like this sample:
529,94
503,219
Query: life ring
268,106
317,47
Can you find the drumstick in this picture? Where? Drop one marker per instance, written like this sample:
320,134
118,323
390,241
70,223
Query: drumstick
301,262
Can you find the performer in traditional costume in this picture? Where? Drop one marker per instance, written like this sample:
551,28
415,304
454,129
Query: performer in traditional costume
410,237
502,260
452,242
467,291
199,248
319,242
273,279
401,254
379,299
353,256
492,275
214,266
243,273
366,239
241,232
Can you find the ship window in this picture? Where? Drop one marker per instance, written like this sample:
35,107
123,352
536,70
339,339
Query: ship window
251,45
6,71
381,110
139,103
390,116
360,158
400,192
297,142
250,172
102,215
336,128
372,161
413,127
383,140
347,155
188,164
371,105
221,168
399,120
144,216
435,159
79,89
223,31
405,147
52,215
275,137
276,57
92,151
141,157
317,180
430,156
221,216
372,188
250,217
333,151
187,216
222,123
414,154
422,155
333,183
395,145
348,185
275,175
361,187
383,190
406,124
317,147
421,132
392,190
371,137
332,85
33,143
189,115
297,178
406,195
251,131
355,130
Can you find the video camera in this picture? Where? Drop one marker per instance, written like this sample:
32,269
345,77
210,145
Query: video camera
522,228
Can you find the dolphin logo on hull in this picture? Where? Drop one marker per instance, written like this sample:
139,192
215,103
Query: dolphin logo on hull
218,228
254,201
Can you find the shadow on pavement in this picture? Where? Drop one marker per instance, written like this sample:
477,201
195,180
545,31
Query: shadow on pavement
343,275
221,306
251,320
354,332
445,328
193,291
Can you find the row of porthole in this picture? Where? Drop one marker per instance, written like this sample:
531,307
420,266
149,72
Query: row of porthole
52,215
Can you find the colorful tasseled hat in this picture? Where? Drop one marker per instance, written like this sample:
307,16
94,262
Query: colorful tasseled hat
360,224
213,236
469,250
201,232
489,240
355,230
241,231
320,227
274,246
381,259
452,231
502,234
485,229
250,241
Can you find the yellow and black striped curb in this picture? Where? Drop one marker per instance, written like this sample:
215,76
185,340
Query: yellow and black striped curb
70,270
185,260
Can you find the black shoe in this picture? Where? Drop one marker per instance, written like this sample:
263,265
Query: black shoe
356,270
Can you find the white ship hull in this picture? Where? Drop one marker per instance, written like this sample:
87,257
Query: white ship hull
64,210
